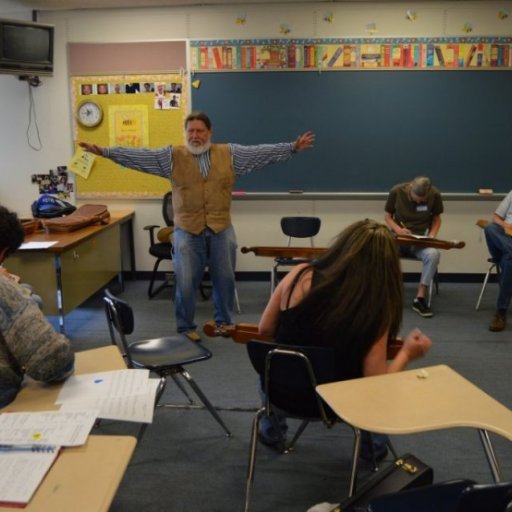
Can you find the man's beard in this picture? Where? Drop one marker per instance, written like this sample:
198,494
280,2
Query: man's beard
198,150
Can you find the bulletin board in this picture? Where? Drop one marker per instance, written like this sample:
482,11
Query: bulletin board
153,105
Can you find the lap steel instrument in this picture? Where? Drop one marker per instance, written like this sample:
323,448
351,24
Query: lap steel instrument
314,252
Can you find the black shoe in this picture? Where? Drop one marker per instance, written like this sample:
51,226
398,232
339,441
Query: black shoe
420,306
380,447
271,442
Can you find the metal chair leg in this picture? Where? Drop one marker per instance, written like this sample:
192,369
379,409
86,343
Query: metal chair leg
205,400
182,388
491,456
237,302
298,433
252,458
159,393
355,462
484,285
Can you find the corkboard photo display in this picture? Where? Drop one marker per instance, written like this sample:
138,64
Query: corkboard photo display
135,111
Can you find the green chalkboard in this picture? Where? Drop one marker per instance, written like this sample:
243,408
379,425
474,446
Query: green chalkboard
373,128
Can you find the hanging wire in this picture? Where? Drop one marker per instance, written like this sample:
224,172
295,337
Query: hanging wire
32,116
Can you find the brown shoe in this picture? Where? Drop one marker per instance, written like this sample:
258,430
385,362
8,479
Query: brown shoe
498,322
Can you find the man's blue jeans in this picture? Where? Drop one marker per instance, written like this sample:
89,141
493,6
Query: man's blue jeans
191,254
430,258
500,247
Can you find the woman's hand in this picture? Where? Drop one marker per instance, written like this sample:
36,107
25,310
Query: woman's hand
416,344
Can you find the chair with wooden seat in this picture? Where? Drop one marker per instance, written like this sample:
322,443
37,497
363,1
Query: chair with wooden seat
294,227
493,266
166,356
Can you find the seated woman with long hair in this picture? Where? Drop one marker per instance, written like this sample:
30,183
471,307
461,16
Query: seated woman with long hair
350,298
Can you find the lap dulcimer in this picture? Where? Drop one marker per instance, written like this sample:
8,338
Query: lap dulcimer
314,252
244,332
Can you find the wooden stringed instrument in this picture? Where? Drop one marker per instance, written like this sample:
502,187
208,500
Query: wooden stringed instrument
313,252
244,332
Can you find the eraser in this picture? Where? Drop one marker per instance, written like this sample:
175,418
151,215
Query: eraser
485,191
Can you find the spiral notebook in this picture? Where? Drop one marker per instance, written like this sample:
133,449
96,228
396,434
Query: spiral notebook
23,470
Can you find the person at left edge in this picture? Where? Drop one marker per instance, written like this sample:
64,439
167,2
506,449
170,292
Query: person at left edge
29,346
202,175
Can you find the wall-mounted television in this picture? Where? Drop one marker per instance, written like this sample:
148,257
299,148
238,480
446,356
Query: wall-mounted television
26,48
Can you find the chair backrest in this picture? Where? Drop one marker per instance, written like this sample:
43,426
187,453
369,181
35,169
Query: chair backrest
167,211
300,227
119,319
289,375
495,497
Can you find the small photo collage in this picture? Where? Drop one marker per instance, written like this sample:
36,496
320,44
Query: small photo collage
167,95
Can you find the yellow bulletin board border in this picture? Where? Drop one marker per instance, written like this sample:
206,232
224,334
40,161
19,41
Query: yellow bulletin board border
152,116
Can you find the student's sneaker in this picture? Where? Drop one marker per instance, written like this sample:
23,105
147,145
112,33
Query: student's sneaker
193,336
498,322
420,306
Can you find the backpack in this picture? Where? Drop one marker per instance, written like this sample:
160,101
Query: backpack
47,207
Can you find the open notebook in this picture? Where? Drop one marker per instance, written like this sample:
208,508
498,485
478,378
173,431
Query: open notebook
23,469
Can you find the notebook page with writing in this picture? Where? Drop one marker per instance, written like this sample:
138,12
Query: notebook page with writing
22,472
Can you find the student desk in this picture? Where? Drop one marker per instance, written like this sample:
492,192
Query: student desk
83,478
36,396
421,400
78,265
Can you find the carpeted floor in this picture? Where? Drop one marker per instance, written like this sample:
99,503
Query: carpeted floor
185,463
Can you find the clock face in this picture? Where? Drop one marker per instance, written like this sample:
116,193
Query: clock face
89,114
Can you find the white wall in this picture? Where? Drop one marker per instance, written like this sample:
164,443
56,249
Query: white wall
256,221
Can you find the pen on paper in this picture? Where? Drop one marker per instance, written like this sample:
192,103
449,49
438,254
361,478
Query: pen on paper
26,448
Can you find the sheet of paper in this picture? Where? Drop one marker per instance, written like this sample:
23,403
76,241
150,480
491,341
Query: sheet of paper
47,427
113,384
138,408
81,162
22,472
36,245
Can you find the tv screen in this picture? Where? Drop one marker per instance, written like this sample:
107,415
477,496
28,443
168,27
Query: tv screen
26,48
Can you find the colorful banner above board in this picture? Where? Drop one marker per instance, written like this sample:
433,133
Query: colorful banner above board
352,53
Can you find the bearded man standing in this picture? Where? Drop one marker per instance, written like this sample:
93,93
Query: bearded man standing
202,176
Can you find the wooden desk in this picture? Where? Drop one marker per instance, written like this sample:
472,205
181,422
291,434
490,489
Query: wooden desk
85,478
77,266
35,396
421,400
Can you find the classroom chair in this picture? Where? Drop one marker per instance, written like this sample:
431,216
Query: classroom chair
294,227
167,356
160,246
452,496
434,283
288,376
494,265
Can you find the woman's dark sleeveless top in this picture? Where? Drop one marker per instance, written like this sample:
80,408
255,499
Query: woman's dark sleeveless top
296,327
